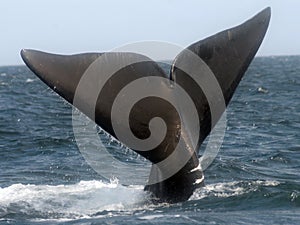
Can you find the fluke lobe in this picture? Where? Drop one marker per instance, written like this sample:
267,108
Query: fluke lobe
175,172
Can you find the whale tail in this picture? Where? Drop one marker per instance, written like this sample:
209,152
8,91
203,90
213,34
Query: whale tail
227,55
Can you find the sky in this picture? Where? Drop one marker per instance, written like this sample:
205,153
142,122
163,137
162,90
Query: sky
75,26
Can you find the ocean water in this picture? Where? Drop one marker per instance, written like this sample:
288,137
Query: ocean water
255,178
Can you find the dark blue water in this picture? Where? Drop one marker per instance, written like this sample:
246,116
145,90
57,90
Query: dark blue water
255,179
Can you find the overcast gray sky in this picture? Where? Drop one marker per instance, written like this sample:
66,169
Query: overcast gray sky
73,26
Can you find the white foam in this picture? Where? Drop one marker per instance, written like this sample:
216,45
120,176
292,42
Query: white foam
29,80
151,217
262,90
230,189
97,199
77,200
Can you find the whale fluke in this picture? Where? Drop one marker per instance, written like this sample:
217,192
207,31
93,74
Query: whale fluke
226,55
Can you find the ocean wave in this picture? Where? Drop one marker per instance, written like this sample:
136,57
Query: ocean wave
97,199
84,199
229,189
